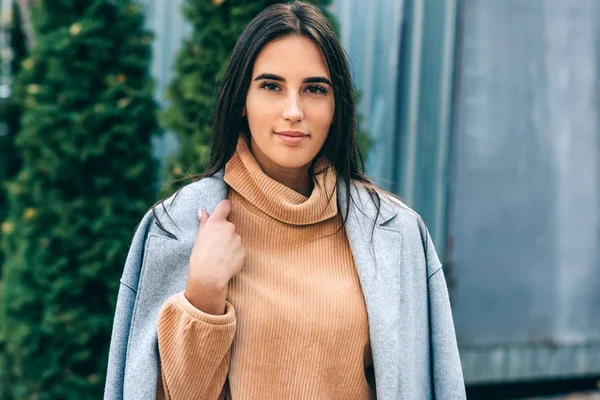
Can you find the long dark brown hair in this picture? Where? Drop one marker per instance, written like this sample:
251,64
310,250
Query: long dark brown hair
341,146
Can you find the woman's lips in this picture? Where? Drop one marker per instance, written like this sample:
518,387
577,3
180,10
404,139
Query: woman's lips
291,140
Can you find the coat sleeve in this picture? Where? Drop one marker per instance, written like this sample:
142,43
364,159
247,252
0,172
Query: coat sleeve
113,389
447,372
447,376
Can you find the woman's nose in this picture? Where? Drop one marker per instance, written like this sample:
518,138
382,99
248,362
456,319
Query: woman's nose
293,109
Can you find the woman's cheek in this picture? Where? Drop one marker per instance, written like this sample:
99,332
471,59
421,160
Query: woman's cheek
323,117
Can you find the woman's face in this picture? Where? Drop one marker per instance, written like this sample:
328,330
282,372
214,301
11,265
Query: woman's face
290,104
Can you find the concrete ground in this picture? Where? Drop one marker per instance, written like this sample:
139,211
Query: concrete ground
595,395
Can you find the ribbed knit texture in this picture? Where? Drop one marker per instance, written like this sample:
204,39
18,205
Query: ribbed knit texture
296,323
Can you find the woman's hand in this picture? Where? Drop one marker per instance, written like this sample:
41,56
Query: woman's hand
217,256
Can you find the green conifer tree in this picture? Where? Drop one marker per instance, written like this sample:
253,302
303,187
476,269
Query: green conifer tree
87,177
10,112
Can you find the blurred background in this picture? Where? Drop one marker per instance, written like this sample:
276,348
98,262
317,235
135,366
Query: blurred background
483,115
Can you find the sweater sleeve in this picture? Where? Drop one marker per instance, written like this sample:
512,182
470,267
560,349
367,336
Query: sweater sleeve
194,349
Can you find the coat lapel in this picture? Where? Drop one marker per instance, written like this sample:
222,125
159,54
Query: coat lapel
377,263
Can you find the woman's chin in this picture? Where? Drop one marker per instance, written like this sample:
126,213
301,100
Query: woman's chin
291,165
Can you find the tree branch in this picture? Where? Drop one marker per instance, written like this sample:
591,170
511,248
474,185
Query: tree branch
27,26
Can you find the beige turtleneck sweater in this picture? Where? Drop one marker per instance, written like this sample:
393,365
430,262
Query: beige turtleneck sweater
295,325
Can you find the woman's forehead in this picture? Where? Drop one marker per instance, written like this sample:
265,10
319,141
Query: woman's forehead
291,57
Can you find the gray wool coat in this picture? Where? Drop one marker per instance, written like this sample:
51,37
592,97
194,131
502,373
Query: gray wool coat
412,335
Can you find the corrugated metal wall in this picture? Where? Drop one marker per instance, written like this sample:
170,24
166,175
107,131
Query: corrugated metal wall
525,204
424,111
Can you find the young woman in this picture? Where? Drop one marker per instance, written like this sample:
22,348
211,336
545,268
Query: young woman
282,272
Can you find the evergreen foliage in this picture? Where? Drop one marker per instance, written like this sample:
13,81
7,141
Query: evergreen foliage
10,113
86,179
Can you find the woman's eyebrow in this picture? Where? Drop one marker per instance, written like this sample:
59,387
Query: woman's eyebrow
313,79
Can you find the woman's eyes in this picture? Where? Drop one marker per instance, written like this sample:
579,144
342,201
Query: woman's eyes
316,89
313,89
271,87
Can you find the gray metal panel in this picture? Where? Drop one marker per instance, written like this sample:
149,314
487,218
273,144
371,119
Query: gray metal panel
529,363
370,32
525,204
424,111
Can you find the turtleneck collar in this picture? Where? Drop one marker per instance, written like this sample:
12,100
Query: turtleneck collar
244,175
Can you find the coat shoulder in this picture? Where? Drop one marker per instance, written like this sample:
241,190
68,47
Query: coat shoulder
414,230
178,213
402,213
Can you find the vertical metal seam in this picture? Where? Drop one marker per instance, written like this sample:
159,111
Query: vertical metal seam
444,118
413,101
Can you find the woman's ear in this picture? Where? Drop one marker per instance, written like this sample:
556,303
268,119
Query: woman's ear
244,112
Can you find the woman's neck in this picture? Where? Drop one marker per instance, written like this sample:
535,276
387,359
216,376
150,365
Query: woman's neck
297,179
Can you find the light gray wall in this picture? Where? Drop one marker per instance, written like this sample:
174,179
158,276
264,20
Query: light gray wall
525,203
